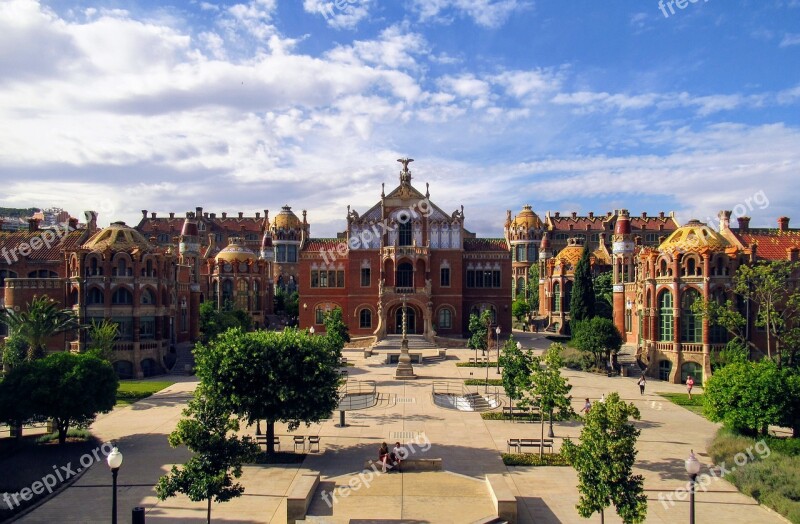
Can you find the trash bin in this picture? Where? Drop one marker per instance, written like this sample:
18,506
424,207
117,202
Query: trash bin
137,515
624,371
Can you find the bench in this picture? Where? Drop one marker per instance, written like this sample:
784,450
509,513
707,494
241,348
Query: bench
261,440
343,361
299,496
510,412
313,441
478,360
536,444
299,440
505,503
432,464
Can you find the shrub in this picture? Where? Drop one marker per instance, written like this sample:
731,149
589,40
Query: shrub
533,459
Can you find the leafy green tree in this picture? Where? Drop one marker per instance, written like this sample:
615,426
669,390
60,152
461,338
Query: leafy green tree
213,321
598,337
550,388
478,329
102,336
581,304
287,376
68,388
533,287
209,432
42,320
336,330
748,396
604,462
604,295
292,304
517,368
735,351
15,351
520,308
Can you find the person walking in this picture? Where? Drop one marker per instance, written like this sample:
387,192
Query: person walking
689,386
642,383
586,407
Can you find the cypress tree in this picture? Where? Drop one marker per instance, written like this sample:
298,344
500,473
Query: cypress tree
581,304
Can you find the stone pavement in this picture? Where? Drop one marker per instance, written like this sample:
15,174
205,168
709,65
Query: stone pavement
469,446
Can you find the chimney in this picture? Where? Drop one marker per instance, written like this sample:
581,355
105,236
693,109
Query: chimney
241,214
644,214
224,214
198,211
744,224
172,214
73,223
783,223
33,224
152,215
214,215
574,214
144,213
591,214
660,214
725,220
557,214
91,220
258,214
205,215
792,252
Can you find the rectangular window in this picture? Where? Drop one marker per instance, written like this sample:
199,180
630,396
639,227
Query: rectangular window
323,279
280,253
315,278
483,278
495,278
147,328
319,316
365,277
470,278
125,326
340,278
532,252
291,255
444,277
628,320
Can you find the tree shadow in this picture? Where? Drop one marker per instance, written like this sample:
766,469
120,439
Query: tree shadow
666,469
537,510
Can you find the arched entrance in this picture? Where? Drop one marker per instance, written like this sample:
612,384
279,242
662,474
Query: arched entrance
411,320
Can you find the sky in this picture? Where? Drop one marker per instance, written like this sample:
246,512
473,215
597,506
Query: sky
567,105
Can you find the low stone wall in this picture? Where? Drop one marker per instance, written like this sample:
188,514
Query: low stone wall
505,503
432,464
360,342
299,495
444,342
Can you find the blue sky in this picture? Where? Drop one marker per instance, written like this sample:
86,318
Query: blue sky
571,105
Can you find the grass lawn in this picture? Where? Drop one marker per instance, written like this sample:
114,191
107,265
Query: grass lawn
682,399
132,390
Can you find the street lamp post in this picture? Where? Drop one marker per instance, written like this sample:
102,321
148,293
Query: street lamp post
498,348
692,468
114,460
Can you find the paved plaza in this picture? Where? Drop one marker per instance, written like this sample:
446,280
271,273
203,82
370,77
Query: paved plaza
469,446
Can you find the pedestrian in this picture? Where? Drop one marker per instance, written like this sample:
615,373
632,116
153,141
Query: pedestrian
587,406
642,383
689,386
602,398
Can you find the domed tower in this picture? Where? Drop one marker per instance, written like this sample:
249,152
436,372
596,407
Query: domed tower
240,279
623,272
522,235
189,250
288,234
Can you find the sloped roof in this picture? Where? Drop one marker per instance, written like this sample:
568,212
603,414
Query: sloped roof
772,243
315,244
11,240
485,244
694,237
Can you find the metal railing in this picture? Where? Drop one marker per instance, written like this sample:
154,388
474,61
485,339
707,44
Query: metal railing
357,394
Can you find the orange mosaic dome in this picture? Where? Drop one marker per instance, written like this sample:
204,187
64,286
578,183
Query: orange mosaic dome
286,219
571,254
236,251
118,237
694,237
527,219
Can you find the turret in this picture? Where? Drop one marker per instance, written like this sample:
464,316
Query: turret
267,252
189,243
622,256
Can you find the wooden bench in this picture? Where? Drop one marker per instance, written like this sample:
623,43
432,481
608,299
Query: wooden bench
261,440
478,360
536,444
505,503
299,496
516,412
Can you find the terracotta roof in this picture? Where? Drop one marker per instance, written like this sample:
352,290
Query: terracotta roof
654,223
11,240
772,243
232,225
578,223
315,244
485,244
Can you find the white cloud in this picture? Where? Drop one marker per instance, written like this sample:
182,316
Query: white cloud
790,39
487,13
340,14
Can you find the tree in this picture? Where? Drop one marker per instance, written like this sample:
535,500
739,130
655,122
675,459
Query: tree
604,295
209,431
517,369
102,336
292,304
287,376
520,308
15,351
581,304
604,462
533,287
748,396
478,330
41,320
68,388
213,321
550,388
336,330
598,337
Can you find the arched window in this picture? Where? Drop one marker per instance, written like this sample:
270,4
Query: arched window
662,268
718,334
691,267
256,296
404,233
242,295
445,319
148,299
556,297
95,296
691,322
365,318
4,274
567,294
520,286
122,268
666,318
405,275
664,369
122,296
227,291
94,268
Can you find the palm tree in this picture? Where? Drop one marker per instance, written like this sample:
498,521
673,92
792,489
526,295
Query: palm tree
42,320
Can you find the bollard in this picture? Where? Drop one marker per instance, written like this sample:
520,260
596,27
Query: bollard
341,419
137,516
